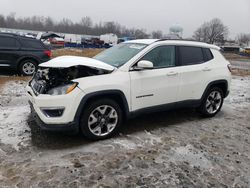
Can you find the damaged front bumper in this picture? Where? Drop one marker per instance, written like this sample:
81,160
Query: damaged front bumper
72,126
55,112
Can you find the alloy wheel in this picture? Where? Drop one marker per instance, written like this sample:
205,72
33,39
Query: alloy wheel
29,68
213,102
102,120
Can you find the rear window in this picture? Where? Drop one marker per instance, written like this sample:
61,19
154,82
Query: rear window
207,54
31,43
8,43
190,55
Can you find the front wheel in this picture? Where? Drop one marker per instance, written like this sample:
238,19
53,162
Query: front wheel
101,119
212,102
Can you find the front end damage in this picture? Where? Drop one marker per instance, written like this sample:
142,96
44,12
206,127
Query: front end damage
59,81
54,94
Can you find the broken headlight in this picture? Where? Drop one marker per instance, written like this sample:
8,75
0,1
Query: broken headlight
62,90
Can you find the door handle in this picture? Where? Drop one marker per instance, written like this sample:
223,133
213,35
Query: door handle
206,69
172,73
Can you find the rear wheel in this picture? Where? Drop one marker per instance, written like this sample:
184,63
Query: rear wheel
212,102
28,67
101,119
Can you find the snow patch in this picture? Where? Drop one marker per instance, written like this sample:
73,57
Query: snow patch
127,144
189,154
13,126
14,112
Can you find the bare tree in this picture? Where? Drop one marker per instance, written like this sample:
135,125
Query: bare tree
140,34
49,23
202,33
84,26
11,20
218,31
211,32
243,39
2,21
157,34
86,22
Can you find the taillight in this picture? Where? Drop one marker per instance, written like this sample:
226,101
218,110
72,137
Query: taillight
229,67
48,53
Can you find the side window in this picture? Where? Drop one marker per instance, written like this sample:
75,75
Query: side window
8,43
163,56
31,43
207,54
190,55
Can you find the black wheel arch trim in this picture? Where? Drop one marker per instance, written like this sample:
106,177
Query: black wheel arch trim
214,83
21,59
103,93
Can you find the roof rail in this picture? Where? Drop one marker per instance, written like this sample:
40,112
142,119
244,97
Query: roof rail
6,33
200,43
165,39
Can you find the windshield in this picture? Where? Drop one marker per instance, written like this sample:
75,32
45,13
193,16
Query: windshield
120,54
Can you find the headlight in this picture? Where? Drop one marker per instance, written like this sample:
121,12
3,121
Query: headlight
62,90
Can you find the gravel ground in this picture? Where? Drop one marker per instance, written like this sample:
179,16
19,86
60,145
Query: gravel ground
167,149
240,64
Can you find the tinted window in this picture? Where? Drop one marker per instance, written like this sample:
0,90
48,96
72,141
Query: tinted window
190,55
207,54
8,43
163,56
31,43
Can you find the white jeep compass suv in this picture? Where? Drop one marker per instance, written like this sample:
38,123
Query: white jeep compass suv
94,95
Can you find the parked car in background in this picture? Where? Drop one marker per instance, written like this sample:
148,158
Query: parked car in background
247,50
109,39
124,39
21,53
57,42
231,49
94,95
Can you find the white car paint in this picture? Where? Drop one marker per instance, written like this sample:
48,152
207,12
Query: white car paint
70,61
166,85
153,83
142,41
69,102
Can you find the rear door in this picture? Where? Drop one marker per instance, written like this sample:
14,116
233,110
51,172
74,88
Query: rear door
195,71
8,51
34,48
156,86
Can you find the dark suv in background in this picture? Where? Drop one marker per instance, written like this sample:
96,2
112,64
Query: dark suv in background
22,53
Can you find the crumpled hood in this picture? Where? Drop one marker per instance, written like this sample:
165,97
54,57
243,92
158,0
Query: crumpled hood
70,61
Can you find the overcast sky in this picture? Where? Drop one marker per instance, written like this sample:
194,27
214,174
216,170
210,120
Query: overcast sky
147,14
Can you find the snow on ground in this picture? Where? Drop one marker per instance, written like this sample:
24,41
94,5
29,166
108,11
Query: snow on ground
14,112
13,126
166,149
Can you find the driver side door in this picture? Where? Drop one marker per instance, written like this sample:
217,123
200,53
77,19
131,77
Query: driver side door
157,86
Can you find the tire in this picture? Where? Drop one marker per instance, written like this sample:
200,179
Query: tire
101,119
27,67
212,102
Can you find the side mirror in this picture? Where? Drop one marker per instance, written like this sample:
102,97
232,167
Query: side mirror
144,64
